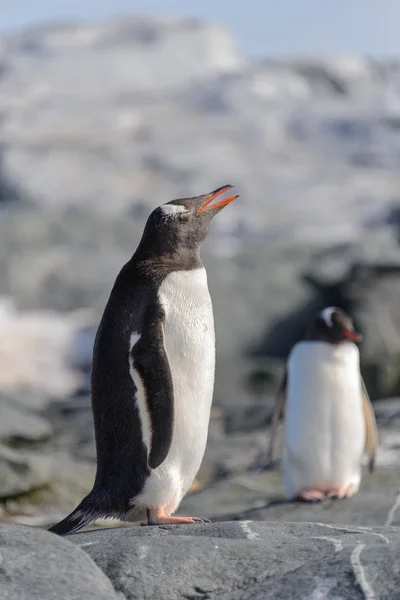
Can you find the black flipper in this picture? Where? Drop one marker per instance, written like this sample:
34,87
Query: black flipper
371,430
280,401
150,361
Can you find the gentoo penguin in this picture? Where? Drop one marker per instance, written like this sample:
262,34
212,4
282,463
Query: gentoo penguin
153,372
329,421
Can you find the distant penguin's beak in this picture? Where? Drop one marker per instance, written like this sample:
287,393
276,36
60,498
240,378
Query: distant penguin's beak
353,336
210,197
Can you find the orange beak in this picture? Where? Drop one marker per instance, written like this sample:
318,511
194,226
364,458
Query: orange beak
216,194
353,336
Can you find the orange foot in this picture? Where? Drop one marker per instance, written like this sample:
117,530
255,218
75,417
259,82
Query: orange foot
344,491
311,495
157,516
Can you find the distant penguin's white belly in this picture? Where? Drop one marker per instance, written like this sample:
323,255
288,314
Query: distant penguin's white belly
324,429
190,346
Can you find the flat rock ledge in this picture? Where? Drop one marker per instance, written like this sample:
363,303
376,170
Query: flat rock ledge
241,560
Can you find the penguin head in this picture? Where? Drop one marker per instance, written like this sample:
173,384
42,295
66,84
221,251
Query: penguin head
181,225
333,325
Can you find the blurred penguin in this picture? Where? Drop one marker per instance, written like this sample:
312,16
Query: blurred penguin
329,421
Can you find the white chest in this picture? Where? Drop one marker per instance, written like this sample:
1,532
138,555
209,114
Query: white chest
189,329
324,390
190,345
322,371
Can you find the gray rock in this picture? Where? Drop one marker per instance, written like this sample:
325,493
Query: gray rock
73,424
30,402
37,565
39,470
235,453
23,471
65,482
234,495
18,425
248,560
248,418
388,411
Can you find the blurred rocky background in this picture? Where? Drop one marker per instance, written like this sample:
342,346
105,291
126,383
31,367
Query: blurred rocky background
100,123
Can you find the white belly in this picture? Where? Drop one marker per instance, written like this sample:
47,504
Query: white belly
324,430
190,345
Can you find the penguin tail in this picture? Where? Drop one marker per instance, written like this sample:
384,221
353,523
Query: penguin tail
83,514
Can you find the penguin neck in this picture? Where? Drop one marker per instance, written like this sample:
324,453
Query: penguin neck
317,334
174,259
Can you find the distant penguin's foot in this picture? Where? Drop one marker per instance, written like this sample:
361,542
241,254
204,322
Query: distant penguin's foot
157,516
344,491
311,495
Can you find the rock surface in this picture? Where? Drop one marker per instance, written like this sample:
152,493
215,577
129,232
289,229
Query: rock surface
245,560
248,560
21,472
18,425
38,466
38,566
